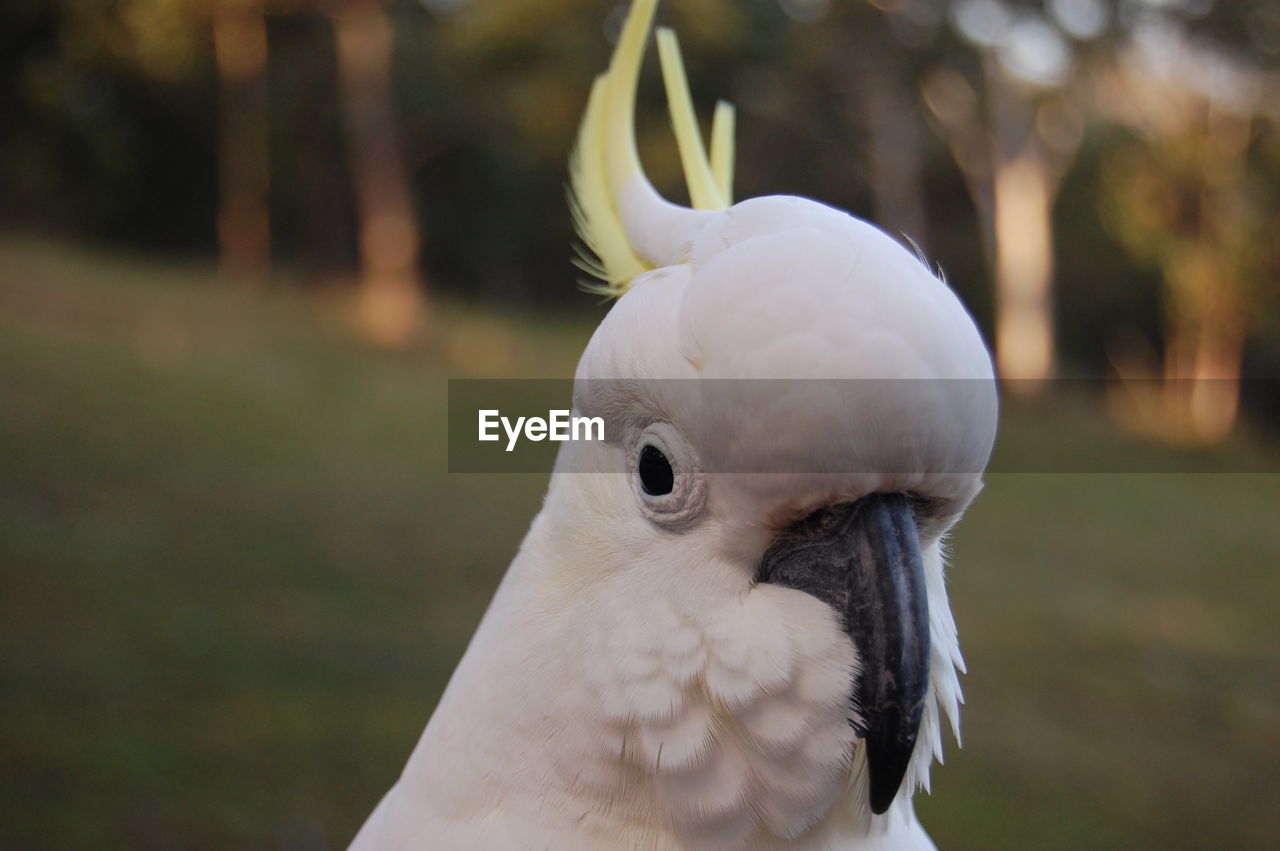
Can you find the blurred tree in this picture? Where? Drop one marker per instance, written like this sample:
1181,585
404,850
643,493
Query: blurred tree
868,54
312,196
392,303
1190,194
244,224
1014,125
164,42
107,121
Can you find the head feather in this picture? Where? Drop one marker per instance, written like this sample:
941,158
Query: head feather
605,163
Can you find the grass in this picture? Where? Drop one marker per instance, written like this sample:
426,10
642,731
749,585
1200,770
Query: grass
236,578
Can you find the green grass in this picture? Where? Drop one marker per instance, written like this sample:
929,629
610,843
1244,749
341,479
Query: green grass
236,578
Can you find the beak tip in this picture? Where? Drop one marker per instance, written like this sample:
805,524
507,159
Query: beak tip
886,769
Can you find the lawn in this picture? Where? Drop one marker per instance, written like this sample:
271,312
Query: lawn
236,577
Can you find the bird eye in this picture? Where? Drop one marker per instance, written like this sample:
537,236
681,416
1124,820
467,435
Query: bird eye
666,476
656,476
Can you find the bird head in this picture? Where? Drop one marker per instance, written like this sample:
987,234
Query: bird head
796,411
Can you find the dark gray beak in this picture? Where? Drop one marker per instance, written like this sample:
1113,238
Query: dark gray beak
863,560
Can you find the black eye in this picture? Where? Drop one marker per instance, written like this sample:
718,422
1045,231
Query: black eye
656,475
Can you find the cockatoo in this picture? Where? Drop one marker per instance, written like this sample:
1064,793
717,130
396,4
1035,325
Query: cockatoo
728,626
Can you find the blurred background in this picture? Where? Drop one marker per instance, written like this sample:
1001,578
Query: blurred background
244,243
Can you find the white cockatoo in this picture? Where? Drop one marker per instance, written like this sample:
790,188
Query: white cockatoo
728,626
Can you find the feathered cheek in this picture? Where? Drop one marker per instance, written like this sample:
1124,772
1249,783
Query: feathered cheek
778,678
780,645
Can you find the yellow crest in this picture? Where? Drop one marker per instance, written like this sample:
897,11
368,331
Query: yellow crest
606,156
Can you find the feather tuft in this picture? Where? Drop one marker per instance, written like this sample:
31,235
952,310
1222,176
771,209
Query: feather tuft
605,254
722,125
605,160
704,192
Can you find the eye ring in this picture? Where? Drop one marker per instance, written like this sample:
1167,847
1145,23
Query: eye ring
666,476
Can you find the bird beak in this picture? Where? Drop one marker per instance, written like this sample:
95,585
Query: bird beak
863,560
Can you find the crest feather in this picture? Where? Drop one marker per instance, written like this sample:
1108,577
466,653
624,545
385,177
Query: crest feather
722,124
704,192
605,156
607,254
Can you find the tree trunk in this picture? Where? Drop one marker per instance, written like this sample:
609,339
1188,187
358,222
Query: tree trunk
1013,179
1023,186
392,305
240,50
1205,346
1023,195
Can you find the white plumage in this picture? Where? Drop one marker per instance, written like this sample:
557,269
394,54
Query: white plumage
634,684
